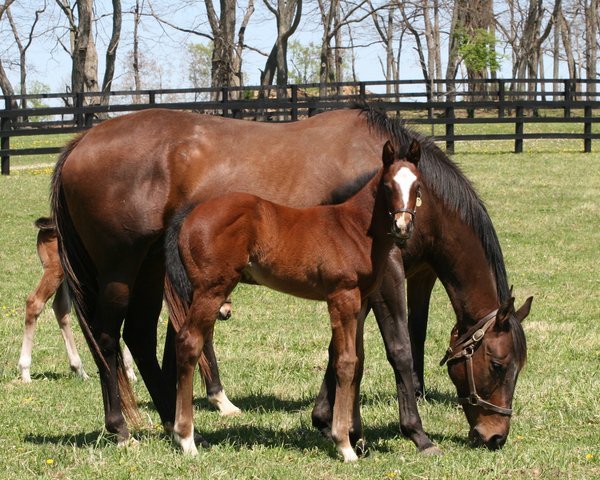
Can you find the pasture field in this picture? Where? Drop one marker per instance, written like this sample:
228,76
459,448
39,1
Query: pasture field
545,205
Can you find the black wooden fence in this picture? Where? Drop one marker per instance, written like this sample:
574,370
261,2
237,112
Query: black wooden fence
450,104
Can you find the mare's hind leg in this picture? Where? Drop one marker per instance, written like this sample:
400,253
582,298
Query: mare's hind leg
140,335
110,311
36,301
418,294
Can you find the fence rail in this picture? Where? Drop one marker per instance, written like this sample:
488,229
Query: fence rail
449,103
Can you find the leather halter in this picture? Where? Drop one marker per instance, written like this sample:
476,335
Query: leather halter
464,348
404,210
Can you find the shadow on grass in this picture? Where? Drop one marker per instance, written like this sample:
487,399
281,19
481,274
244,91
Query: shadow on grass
52,375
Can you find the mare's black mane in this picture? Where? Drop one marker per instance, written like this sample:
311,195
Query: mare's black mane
456,191
449,184
344,192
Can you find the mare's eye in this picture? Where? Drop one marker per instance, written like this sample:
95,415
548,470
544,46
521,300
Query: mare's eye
498,368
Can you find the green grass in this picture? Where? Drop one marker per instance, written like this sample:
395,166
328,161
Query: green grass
546,209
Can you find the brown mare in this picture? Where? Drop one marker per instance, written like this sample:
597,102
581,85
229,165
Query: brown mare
116,187
334,253
52,283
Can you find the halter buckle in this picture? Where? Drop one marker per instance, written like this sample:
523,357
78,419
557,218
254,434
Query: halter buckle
478,335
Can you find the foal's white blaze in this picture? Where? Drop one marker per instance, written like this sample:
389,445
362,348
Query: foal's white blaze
405,179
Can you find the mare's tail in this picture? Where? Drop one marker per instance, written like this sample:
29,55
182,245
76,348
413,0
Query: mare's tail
81,275
45,224
178,289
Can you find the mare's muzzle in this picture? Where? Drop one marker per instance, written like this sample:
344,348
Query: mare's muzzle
402,227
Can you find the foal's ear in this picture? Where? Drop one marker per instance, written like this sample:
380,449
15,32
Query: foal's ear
414,153
389,154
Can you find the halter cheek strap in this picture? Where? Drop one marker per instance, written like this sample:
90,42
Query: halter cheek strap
464,348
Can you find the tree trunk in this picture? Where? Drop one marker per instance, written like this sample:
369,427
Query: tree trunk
111,50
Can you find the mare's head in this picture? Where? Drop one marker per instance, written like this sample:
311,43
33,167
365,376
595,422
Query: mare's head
401,182
484,363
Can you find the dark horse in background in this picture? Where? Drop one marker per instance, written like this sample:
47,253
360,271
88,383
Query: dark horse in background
116,187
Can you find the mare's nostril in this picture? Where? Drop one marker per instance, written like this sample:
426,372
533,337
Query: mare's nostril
496,442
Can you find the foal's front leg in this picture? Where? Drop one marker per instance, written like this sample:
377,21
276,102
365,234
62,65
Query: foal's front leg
343,310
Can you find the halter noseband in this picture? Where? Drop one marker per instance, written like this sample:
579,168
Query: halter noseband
464,347
413,213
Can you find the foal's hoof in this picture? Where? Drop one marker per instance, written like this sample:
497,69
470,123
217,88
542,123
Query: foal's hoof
432,451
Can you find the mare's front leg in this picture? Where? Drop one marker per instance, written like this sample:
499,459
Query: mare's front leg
390,311
418,295
344,308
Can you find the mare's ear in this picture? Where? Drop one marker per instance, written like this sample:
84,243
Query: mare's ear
389,154
414,153
522,312
504,313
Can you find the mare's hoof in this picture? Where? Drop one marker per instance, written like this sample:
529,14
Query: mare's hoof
362,448
432,451
200,441
128,443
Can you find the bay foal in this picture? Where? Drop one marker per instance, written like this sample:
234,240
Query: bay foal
335,253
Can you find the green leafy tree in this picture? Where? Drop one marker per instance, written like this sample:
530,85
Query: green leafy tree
304,61
477,50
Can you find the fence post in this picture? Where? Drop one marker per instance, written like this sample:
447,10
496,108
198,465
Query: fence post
519,130
151,97
294,101
78,107
225,101
568,95
5,127
450,129
587,129
501,97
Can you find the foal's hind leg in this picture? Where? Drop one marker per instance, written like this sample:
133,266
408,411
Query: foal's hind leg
62,308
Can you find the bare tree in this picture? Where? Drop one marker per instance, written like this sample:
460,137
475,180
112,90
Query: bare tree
287,14
84,72
5,85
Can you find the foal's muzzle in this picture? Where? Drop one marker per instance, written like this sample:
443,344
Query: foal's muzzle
402,227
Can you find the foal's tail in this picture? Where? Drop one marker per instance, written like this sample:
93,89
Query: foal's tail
81,275
178,289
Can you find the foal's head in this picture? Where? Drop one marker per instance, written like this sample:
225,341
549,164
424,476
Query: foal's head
402,188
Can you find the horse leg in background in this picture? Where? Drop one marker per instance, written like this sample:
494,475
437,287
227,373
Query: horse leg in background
357,438
389,306
62,308
344,309
51,283
418,295
212,380
36,301
128,362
